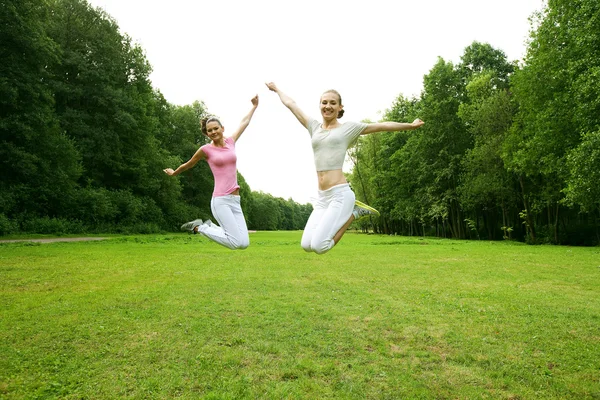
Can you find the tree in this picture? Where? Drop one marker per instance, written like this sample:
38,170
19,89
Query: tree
442,145
485,185
39,164
582,187
103,95
558,102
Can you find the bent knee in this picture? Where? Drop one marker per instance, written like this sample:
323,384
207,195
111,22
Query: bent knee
242,244
321,250
322,247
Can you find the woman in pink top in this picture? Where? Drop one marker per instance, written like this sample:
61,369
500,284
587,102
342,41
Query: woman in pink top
225,204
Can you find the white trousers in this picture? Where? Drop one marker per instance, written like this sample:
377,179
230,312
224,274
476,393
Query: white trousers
331,210
232,232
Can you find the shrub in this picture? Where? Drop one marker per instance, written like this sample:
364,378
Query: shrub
7,226
55,226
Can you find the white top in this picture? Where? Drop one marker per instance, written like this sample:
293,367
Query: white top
330,145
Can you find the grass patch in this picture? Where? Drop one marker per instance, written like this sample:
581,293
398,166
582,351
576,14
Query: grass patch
166,316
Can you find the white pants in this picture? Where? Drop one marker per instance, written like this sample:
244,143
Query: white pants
331,211
232,232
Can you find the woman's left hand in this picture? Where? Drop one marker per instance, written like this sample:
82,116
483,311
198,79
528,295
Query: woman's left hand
417,123
255,101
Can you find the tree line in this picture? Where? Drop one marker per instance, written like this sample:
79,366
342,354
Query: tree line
84,136
508,150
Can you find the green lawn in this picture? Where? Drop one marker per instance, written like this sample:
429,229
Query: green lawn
378,317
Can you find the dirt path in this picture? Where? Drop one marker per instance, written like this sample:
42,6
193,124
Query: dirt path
52,240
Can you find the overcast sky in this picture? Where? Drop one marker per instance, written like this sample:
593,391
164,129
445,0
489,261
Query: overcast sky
222,52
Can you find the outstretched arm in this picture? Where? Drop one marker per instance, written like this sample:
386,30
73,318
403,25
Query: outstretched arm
246,121
199,155
289,103
390,126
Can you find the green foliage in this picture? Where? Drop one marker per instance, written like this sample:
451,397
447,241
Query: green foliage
38,163
54,226
557,106
502,146
472,225
7,226
507,230
84,136
274,213
481,57
102,93
583,186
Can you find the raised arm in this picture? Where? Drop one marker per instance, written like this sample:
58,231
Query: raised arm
390,126
198,155
289,103
246,121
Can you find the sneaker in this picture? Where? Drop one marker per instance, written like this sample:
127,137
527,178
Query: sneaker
190,226
363,210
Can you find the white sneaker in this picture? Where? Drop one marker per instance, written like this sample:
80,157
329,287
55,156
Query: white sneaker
362,210
190,226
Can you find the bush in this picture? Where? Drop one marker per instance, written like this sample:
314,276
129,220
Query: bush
55,226
93,205
7,226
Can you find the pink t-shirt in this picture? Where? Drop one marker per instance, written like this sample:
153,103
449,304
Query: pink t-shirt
222,162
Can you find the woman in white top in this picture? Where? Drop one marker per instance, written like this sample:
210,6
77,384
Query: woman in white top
336,206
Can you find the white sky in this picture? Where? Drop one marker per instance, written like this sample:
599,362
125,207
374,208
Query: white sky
222,51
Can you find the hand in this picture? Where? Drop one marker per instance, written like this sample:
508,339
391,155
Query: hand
169,171
271,86
417,123
255,101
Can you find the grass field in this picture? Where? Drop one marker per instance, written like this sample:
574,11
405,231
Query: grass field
378,317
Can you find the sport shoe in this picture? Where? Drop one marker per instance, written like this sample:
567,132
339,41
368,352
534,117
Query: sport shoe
189,226
363,210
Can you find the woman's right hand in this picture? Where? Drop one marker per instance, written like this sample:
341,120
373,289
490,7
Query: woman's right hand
169,171
289,103
271,86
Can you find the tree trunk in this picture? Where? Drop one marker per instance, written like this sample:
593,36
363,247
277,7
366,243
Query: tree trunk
529,218
556,223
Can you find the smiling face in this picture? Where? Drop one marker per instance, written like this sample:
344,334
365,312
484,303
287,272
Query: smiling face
214,130
331,104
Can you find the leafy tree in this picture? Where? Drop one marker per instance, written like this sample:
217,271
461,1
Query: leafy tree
482,57
558,102
485,185
103,93
375,177
38,162
180,135
441,145
584,166
265,213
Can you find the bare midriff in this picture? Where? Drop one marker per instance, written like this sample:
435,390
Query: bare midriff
236,192
328,179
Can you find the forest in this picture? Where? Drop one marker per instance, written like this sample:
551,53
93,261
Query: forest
510,150
84,136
